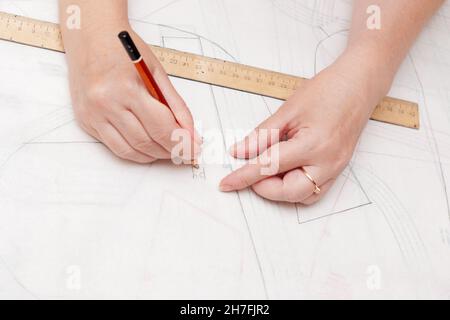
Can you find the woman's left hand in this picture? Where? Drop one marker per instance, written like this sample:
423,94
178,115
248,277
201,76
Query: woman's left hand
316,130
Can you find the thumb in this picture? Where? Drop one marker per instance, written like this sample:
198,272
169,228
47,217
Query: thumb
179,108
184,117
263,137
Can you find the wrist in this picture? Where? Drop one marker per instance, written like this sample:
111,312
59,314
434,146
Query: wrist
373,61
357,80
95,31
94,16
367,72
93,40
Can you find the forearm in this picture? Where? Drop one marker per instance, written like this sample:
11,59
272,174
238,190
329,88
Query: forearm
96,14
99,18
381,51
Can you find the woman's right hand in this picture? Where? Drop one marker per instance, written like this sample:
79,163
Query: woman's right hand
112,104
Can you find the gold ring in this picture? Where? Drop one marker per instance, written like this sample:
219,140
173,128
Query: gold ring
316,187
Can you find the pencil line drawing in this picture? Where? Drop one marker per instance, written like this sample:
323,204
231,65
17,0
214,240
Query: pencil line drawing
162,231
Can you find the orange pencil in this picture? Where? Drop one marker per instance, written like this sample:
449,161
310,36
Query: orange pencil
142,68
144,71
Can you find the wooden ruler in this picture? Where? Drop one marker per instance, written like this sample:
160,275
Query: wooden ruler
211,71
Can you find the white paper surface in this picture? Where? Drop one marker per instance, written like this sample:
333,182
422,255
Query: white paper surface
75,222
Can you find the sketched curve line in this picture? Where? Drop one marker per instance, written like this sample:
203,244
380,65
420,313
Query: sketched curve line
400,222
318,15
220,120
431,135
16,280
196,35
43,126
38,128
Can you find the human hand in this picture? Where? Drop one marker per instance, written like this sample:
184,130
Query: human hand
317,130
112,104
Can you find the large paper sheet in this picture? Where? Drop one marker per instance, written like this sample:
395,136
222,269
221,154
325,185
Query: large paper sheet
75,222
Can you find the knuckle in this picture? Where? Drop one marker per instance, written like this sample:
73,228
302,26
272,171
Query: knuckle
129,86
127,154
83,125
162,135
98,95
291,196
81,116
310,141
341,159
143,145
244,181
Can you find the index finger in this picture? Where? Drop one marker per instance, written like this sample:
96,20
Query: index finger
181,112
283,156
160,124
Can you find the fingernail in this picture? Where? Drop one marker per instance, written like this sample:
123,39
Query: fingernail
226,187
238,148
241,150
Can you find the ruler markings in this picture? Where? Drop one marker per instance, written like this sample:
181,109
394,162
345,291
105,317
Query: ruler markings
202,69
